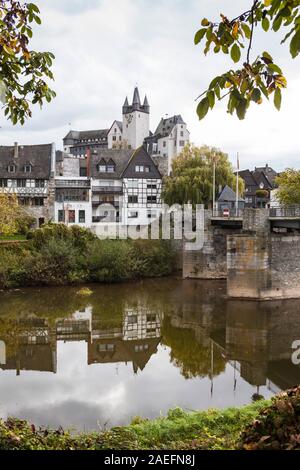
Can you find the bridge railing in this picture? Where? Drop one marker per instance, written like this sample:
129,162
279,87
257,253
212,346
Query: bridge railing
285,212
227,214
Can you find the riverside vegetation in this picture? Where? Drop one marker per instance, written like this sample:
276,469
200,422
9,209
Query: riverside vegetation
58,255
263,425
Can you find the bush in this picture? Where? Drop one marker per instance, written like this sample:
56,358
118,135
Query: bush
59,255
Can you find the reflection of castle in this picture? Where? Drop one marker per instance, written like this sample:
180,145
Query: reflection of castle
33,344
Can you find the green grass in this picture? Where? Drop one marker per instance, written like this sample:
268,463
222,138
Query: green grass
12,237
212,430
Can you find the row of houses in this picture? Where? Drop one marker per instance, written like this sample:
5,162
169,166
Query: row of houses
111,176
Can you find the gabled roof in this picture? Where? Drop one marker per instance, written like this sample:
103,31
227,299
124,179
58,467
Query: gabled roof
141,157
166,126
39,156
228,195
120,158
117,123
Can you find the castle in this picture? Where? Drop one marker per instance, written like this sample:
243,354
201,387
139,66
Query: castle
109,176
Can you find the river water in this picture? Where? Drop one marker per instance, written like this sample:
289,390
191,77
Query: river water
139,349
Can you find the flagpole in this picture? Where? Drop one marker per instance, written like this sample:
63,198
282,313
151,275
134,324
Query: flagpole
237,187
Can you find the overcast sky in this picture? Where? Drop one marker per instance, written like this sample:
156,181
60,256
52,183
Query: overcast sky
104,48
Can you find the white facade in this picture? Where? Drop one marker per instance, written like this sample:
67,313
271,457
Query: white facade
142,201
73,201
136,127
115,136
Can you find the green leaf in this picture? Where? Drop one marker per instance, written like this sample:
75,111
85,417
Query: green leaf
275,68
235,53
211,99
265,24
199,35
256,95
267,56
277,98
203,108
241,109
295,45
247,30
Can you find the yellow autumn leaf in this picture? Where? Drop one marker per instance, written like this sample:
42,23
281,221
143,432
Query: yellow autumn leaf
235,30
267,3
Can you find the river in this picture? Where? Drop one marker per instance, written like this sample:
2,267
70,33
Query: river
139,349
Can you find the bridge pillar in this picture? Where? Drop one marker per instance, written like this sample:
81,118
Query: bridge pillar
263,267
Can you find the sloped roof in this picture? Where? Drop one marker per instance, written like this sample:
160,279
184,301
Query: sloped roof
228,195
86,135
141,157
121,159
166,126
39,156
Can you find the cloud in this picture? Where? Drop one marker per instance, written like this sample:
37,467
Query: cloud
103,48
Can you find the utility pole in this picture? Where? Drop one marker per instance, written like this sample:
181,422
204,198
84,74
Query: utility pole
237,186
214,184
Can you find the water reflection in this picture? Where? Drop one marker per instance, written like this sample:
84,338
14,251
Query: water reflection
139,349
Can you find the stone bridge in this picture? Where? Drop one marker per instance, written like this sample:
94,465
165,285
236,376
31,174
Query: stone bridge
257,251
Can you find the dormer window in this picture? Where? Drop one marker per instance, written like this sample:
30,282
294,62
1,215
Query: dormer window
11,168
27,168
111,167
102,167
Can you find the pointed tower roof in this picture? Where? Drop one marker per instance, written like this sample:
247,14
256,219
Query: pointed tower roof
126,102
136,97
146,102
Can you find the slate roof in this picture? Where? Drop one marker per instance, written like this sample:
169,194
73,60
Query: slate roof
86,135
166,126
125,162
120,158
228,195
39,156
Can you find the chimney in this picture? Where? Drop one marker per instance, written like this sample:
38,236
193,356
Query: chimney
16,150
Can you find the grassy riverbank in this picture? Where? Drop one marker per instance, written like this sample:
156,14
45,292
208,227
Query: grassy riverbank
213,430
56,255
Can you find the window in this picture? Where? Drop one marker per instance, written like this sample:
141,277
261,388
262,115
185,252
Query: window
155,148
21,183
120,138
3,183
139,169
151,214
181,134
106,348
151,318
151,186
83,172
11,168
164,144
151,199
133,199
133,215
181,143
27,169
82,217
141,348
38,201
39,183
110,169
132,319
72,217
61,216
133,184
114,138
24,201
147,169
102,168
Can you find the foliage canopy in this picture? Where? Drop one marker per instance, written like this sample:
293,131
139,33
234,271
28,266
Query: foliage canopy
23,72
255,79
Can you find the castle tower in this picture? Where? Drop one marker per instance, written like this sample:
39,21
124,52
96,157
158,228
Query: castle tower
136,120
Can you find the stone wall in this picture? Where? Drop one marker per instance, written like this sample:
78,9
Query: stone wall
263,267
